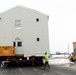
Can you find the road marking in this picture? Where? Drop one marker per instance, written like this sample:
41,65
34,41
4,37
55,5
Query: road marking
21,71
35,69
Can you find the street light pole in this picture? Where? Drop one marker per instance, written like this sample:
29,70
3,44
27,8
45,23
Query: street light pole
68,48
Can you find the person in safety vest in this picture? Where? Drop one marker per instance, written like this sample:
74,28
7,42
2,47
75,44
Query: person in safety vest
46,58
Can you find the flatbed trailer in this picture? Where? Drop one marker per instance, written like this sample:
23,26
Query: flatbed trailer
8,56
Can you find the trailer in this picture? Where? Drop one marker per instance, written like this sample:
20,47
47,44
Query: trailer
8,57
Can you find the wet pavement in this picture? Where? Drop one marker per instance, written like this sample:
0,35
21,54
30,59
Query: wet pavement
31,70
69,65
58,66
62,61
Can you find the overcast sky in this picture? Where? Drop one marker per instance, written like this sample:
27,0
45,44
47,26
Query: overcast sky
62,20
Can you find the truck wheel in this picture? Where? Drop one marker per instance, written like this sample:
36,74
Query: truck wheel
71,60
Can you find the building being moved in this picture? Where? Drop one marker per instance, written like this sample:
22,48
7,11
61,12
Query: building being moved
25,29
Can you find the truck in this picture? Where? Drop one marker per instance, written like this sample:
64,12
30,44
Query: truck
72,56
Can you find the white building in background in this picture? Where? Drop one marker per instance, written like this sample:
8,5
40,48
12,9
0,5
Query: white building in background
26,30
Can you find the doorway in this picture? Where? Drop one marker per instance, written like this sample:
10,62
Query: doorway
18,47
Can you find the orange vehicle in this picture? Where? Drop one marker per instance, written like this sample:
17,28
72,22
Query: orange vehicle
7,51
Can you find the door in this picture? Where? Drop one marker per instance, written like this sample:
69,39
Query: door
18,46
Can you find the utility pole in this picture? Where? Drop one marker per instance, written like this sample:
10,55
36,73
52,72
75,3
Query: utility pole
68,48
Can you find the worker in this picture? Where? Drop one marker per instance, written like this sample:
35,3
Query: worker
46,58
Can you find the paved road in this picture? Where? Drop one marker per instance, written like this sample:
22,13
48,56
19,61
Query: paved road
35,71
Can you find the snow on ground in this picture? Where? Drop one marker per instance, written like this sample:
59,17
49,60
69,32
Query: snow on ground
56,56
59,59
62,61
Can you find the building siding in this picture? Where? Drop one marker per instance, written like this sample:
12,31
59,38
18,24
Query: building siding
29,32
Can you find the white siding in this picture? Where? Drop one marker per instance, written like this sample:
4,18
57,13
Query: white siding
29,32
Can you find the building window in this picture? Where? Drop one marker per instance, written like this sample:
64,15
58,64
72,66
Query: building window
19,44
38,39
17,24
14,44
37,19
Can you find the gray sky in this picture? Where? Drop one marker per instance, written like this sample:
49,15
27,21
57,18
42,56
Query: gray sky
62,20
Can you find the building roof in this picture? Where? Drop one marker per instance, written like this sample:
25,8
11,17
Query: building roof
19,6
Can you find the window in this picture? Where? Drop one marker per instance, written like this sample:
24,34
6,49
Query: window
17,24
38,39
37,19
19,44
14,44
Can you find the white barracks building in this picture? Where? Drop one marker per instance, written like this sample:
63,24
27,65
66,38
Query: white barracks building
26,30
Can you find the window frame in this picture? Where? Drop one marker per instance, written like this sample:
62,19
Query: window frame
19,44
17,24
38,39
37,19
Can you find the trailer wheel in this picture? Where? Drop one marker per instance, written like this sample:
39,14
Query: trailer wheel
0,63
